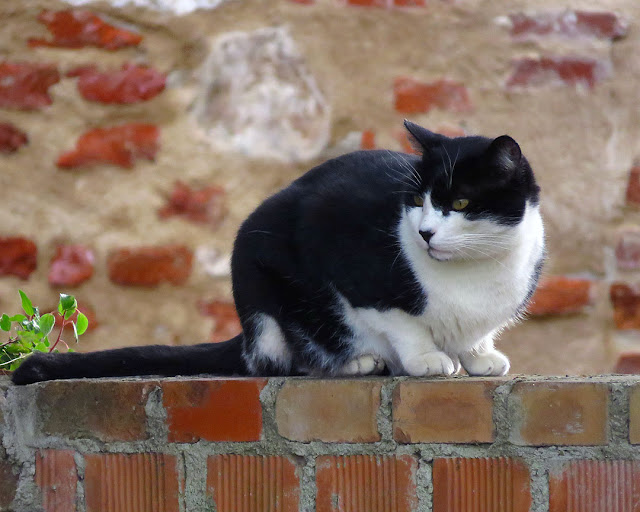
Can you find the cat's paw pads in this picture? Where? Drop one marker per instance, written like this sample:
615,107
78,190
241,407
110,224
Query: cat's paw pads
367,364
431,363
487,364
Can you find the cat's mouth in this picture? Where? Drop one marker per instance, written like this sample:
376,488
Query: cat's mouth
439,255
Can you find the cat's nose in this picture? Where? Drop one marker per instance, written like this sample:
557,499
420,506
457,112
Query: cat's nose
427,235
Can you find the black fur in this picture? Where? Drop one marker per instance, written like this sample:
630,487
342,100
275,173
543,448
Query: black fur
332,230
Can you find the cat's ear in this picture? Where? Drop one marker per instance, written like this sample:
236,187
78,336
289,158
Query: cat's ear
504,153
421,139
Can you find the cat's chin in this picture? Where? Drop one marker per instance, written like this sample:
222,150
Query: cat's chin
439,255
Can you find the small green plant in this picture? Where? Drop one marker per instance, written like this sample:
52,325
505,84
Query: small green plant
32,330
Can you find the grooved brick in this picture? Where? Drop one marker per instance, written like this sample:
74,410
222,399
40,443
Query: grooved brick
205,205
11,138
140,482
25,85
634,415
412,96
341,411
213,410
93,410
481,485
366,483
625,299
443,411
57,478
150,266
253,484
77,28
568,23
118,145
595,486
227,323
563,413
71,265
18,257
131,84
557,71
560,295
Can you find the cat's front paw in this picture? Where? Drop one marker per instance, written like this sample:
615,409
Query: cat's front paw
431,363
489,363
366,364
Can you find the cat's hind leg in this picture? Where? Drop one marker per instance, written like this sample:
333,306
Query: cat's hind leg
266,349
485,360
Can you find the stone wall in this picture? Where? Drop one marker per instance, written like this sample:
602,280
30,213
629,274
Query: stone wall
359,445
135,136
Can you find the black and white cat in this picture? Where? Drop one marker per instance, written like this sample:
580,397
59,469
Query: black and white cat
373,261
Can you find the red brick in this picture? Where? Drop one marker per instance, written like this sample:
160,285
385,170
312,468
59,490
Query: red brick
76,28
366,483
368,140
634,414
595,486
387,4
303,2
144,482
559,295
150,266
118,145
131,84
11,138
558,71
25,85
443,411
412,96
633,187
562,413
57,478
628,363
8,480
340,411
481,485
253,484
205,205
71,265
569,24
628,248
227,324
18,257
625,299
214,410
93,410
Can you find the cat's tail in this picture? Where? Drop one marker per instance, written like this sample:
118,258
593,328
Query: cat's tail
223,358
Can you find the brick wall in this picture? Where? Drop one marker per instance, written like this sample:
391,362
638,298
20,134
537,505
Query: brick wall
253,445
132,146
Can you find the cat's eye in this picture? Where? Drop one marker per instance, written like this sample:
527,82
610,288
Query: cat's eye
460,204
418,200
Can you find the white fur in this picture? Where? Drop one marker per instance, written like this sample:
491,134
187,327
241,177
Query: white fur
270,344
475,274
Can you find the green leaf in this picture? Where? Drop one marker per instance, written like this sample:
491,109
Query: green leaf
17,318
26,303
46,323
41,347
69,313
82,323
75,332
67,302
5,323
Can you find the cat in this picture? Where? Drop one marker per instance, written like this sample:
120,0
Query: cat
372,262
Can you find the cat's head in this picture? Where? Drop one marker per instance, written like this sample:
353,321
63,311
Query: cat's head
471,195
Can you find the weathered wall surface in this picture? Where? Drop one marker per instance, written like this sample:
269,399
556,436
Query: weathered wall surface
294,444
106,107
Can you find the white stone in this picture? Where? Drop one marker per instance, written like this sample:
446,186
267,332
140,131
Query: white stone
179,7
258,98
212,262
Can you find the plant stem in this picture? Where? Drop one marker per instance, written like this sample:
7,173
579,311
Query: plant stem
64,322
13,360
